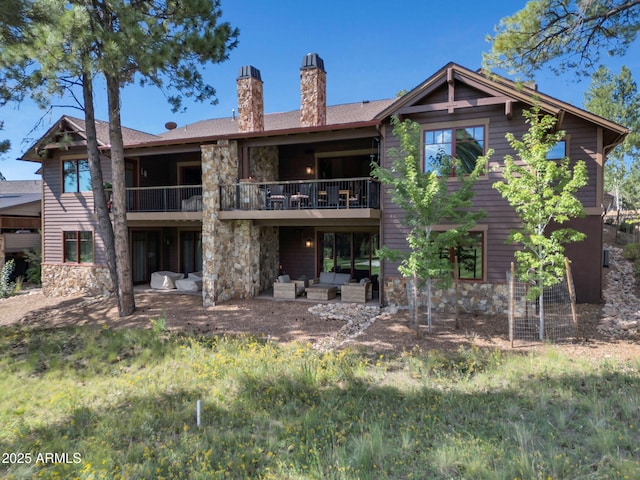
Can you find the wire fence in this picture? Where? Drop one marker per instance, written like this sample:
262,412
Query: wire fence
558,321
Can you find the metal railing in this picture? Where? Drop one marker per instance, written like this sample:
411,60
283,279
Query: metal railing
180,198
301,194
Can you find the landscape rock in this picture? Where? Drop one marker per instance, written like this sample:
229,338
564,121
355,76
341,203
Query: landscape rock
621,313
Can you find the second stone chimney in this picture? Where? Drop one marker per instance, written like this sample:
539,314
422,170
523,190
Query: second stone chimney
250,100
313,91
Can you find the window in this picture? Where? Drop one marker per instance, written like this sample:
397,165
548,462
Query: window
465,144
77,177
78,247
558,151
354,253
470,257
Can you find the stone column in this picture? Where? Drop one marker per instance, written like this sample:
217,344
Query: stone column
230,249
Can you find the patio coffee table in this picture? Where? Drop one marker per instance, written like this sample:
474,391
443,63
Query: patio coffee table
321,293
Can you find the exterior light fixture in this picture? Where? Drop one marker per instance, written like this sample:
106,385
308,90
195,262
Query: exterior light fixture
309,169
308,243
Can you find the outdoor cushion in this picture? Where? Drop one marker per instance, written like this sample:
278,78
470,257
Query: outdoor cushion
332,279
284,279
165,280
189,285
195,276
326,277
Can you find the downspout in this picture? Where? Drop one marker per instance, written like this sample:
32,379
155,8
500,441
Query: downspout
381,141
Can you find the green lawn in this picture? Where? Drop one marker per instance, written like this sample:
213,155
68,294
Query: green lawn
121,403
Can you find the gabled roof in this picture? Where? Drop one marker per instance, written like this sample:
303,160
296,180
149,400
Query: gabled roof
10,200
495,86
346,116
20,186
76,128
338,116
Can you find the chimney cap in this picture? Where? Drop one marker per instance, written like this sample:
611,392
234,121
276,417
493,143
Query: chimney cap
249,71
170,125
312,60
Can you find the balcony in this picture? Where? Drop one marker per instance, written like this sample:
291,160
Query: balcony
347,199
181,202
340,198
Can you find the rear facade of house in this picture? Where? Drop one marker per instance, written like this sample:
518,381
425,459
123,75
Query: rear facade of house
245,198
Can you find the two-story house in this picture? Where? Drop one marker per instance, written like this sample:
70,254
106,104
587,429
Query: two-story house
242,198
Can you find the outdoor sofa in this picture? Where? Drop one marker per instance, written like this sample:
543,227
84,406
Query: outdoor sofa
331,279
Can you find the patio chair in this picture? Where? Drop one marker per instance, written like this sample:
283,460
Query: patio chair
357,292
286,289
277,195
303,195
333,196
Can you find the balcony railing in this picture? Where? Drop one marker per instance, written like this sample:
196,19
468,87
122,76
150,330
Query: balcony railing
301,194
181,198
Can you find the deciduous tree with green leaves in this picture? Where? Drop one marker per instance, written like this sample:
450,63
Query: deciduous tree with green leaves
542,192
427,199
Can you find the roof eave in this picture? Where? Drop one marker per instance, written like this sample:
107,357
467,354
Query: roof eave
250,135
522,94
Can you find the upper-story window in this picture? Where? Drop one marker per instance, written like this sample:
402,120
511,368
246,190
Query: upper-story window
558,151
465,143
76,176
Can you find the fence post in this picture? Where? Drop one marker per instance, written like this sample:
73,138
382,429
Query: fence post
572,297
456,283
511,302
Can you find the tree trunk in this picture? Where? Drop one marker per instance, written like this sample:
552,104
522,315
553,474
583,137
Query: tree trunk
121,234
99,199
429,305
541,309
416,318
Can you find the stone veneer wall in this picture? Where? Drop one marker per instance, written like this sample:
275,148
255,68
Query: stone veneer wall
264,163
250,104
313,102
269,256
473,297
231,250
61,280
263,166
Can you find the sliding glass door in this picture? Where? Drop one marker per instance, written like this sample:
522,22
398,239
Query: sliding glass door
191,251
353,253
145,255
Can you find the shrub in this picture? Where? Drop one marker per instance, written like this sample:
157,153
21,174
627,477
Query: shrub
34,270
631,252
7,287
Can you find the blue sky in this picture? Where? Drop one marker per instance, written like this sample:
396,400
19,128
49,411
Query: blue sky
372,49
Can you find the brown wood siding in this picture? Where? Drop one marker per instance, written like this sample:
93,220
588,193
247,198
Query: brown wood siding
295,257
501,218
67,212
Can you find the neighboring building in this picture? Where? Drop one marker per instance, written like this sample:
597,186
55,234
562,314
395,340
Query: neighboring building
242,198
20,220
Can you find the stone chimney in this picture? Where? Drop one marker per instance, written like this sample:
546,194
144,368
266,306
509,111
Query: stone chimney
313,91
250,100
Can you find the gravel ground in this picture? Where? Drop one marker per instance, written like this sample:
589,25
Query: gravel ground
286,321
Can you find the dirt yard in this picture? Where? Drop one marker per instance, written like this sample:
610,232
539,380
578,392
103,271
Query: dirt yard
285,321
